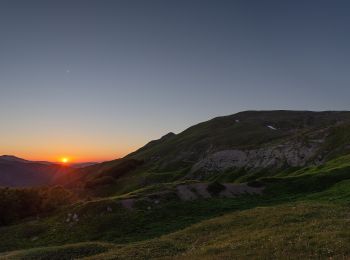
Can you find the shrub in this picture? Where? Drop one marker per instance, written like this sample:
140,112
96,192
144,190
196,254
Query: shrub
256,184
19,203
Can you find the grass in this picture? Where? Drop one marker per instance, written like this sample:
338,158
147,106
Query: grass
297,231
60,252
119,226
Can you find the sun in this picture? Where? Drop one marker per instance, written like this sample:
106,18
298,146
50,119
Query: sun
64,160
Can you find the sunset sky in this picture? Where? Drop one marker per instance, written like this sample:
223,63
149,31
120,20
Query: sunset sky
95,80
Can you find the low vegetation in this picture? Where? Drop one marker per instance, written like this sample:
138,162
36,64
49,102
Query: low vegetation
17,204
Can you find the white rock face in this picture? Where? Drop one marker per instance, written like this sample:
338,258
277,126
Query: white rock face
293,155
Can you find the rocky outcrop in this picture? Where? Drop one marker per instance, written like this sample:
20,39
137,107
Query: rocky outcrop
290,154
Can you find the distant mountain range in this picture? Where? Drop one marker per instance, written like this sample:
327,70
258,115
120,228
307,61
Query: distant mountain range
18,172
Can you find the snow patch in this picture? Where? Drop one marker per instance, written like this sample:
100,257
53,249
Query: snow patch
272,128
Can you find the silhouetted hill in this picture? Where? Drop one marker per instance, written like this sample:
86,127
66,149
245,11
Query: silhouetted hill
18,172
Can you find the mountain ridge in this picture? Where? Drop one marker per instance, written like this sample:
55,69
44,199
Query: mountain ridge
238,147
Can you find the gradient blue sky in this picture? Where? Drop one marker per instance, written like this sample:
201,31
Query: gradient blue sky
94,80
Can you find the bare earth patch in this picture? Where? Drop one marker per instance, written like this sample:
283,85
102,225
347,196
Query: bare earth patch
233,190
200,190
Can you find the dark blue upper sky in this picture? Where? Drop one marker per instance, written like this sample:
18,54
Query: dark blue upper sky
104,77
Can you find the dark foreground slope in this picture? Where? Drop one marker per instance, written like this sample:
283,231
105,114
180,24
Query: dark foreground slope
300,216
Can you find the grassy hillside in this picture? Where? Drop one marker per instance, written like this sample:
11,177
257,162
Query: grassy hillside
150,205
297,216
307,228
300,230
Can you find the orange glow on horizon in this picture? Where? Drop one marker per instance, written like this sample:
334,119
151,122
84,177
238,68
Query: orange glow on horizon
77,154
52,143
65,160
71,159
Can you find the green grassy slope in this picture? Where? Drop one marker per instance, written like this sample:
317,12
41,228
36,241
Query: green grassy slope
307,228
302,213
297,231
